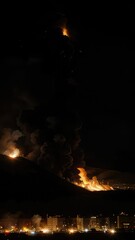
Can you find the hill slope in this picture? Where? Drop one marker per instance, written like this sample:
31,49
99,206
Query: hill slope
27,188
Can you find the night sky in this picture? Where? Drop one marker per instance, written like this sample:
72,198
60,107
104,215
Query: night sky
72,98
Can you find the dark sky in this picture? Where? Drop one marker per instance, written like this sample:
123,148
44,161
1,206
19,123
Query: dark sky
82,87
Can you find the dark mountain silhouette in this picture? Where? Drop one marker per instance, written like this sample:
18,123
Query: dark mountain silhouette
27,188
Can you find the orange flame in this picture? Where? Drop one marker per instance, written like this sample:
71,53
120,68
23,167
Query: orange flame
65,32
91,184
12,152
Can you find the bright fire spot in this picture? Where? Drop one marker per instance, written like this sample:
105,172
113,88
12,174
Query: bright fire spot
12,153
65,32
91,184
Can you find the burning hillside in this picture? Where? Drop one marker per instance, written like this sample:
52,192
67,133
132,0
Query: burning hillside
91,184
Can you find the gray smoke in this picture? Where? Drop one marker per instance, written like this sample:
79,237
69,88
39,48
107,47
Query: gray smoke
9,219
45,98
53,142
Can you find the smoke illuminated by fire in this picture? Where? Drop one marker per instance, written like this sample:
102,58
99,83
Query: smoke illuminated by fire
91,184
12,152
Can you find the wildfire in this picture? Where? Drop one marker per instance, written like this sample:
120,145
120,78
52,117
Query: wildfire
65,32
91,184
12,152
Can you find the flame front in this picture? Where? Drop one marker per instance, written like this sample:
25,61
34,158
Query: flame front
12,152
91,184
65,32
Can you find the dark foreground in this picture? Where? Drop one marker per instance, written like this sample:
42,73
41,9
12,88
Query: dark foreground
63,236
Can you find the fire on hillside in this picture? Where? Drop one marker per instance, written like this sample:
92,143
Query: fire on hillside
91,184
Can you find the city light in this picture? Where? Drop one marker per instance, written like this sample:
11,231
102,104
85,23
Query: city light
112,231
45,230
70,225
32,232
71,230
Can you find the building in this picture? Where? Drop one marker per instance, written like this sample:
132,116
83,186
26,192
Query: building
104,223
52,223
79,224
125,221
86,223
94,223
60,223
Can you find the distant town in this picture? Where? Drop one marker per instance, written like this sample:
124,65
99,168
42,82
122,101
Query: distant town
58,224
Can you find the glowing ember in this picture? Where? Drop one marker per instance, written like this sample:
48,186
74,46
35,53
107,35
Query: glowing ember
91,184
65,32
12,152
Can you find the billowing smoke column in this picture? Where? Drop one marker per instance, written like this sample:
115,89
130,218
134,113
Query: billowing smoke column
36,220
48,123
52,141
52,130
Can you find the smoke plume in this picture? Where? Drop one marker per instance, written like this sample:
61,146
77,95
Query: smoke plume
52,141
36,220
9,219
46,99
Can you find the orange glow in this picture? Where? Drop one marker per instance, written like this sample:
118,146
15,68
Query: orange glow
91,184
65,32
7,231
45,230
112,231
25,229
12,152
71,230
